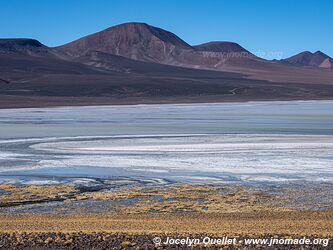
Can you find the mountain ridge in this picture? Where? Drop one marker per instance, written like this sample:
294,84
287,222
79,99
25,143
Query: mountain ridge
138,63
143,42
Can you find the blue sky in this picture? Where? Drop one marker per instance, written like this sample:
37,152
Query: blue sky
270,28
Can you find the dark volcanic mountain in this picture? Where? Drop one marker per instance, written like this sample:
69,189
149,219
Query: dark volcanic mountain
225,47
306,58
25,59
138,63
25,46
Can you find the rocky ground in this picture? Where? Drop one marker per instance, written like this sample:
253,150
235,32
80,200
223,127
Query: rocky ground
115,241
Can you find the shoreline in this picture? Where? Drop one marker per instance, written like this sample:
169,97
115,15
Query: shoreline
130,103
121,197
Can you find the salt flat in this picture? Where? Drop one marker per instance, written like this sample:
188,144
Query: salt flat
255,142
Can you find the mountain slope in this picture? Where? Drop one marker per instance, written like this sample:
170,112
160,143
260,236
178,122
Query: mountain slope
106,61
327,63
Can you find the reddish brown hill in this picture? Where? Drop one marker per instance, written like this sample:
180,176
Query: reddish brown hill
138,41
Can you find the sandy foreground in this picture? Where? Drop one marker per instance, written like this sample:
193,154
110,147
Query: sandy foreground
291,223
174,211
138,231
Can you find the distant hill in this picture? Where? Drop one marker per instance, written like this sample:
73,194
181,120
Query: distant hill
25,46
307,58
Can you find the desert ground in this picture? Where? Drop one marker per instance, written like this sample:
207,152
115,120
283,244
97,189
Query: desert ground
137,215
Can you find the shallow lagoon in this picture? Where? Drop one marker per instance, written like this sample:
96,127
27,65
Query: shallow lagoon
255,142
